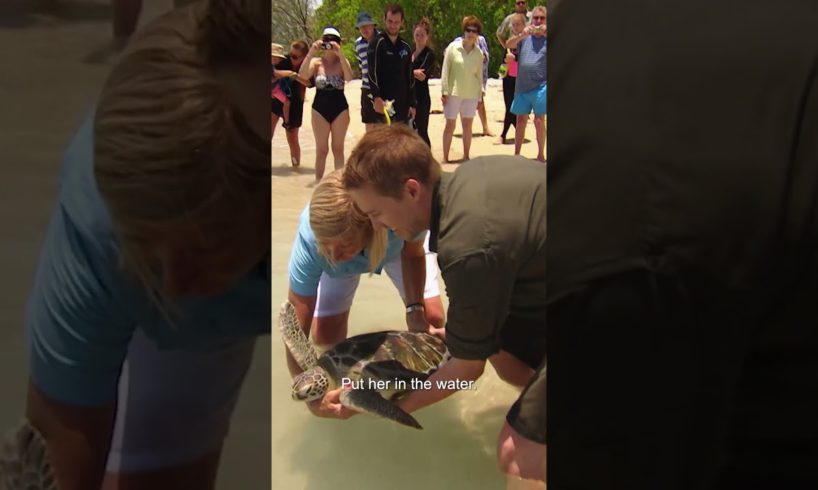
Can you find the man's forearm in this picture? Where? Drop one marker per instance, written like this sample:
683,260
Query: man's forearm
453,370
414,278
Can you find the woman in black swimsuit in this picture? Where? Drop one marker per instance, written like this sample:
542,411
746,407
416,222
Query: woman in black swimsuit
330,111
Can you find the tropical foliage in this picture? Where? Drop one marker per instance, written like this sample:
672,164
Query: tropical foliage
291,20
444,16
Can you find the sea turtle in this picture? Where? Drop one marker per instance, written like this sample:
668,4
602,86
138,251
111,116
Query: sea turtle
23,461
394,358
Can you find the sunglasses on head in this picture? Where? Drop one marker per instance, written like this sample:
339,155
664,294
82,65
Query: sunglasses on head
472,29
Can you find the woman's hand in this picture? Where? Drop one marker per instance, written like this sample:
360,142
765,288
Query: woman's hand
330,406
416,322
377,104
420,74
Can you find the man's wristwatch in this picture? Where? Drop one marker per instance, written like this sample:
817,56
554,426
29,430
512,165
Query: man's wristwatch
414,307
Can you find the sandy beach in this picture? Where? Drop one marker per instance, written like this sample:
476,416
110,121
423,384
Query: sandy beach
481,145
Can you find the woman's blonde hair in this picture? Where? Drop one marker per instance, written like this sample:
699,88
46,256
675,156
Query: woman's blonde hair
170,146
334,217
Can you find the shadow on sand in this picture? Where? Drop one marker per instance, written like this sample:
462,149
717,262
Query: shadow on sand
290,171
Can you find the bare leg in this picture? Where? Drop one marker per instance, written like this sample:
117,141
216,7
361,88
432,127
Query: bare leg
521,458
321,129
481,110
295,146
511,369
339,133
330,330
466,122
448,132
519,133
539,124
286,116
273,123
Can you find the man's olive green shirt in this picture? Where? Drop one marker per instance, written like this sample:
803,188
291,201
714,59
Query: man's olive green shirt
488,229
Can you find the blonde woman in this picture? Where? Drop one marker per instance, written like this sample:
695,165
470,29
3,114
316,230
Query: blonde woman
334,245
153,280
462,84
330,110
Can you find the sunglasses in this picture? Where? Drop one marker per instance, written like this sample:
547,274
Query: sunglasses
472,29
331,39
520,3
538,17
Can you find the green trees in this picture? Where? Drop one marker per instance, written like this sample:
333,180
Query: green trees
444,15
291,20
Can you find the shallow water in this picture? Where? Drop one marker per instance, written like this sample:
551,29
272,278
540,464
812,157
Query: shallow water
456,448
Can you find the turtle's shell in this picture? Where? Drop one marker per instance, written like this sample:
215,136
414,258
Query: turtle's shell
386,356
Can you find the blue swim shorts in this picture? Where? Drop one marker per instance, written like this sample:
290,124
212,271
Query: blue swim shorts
534,100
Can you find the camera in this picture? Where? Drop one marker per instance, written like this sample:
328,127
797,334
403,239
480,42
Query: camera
327,46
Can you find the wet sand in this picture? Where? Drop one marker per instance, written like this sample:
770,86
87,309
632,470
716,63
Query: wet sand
456,449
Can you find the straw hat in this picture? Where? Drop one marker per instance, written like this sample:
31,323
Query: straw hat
277,51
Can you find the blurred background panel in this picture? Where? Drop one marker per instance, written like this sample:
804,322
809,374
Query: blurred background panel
55,56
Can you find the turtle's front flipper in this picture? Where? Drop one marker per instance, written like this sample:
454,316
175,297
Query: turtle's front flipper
294,338
373,403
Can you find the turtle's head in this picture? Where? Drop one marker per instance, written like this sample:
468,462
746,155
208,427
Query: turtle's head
310,385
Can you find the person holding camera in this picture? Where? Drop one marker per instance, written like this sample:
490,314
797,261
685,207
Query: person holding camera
330,110
531,89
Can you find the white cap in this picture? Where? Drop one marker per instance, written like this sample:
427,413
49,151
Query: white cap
331,31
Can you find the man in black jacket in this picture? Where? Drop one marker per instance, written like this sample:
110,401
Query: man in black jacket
390,68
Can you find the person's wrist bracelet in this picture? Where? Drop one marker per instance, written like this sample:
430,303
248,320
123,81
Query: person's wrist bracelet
414,307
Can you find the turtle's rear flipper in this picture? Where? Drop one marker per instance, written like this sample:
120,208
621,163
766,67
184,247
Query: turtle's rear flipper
373,403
